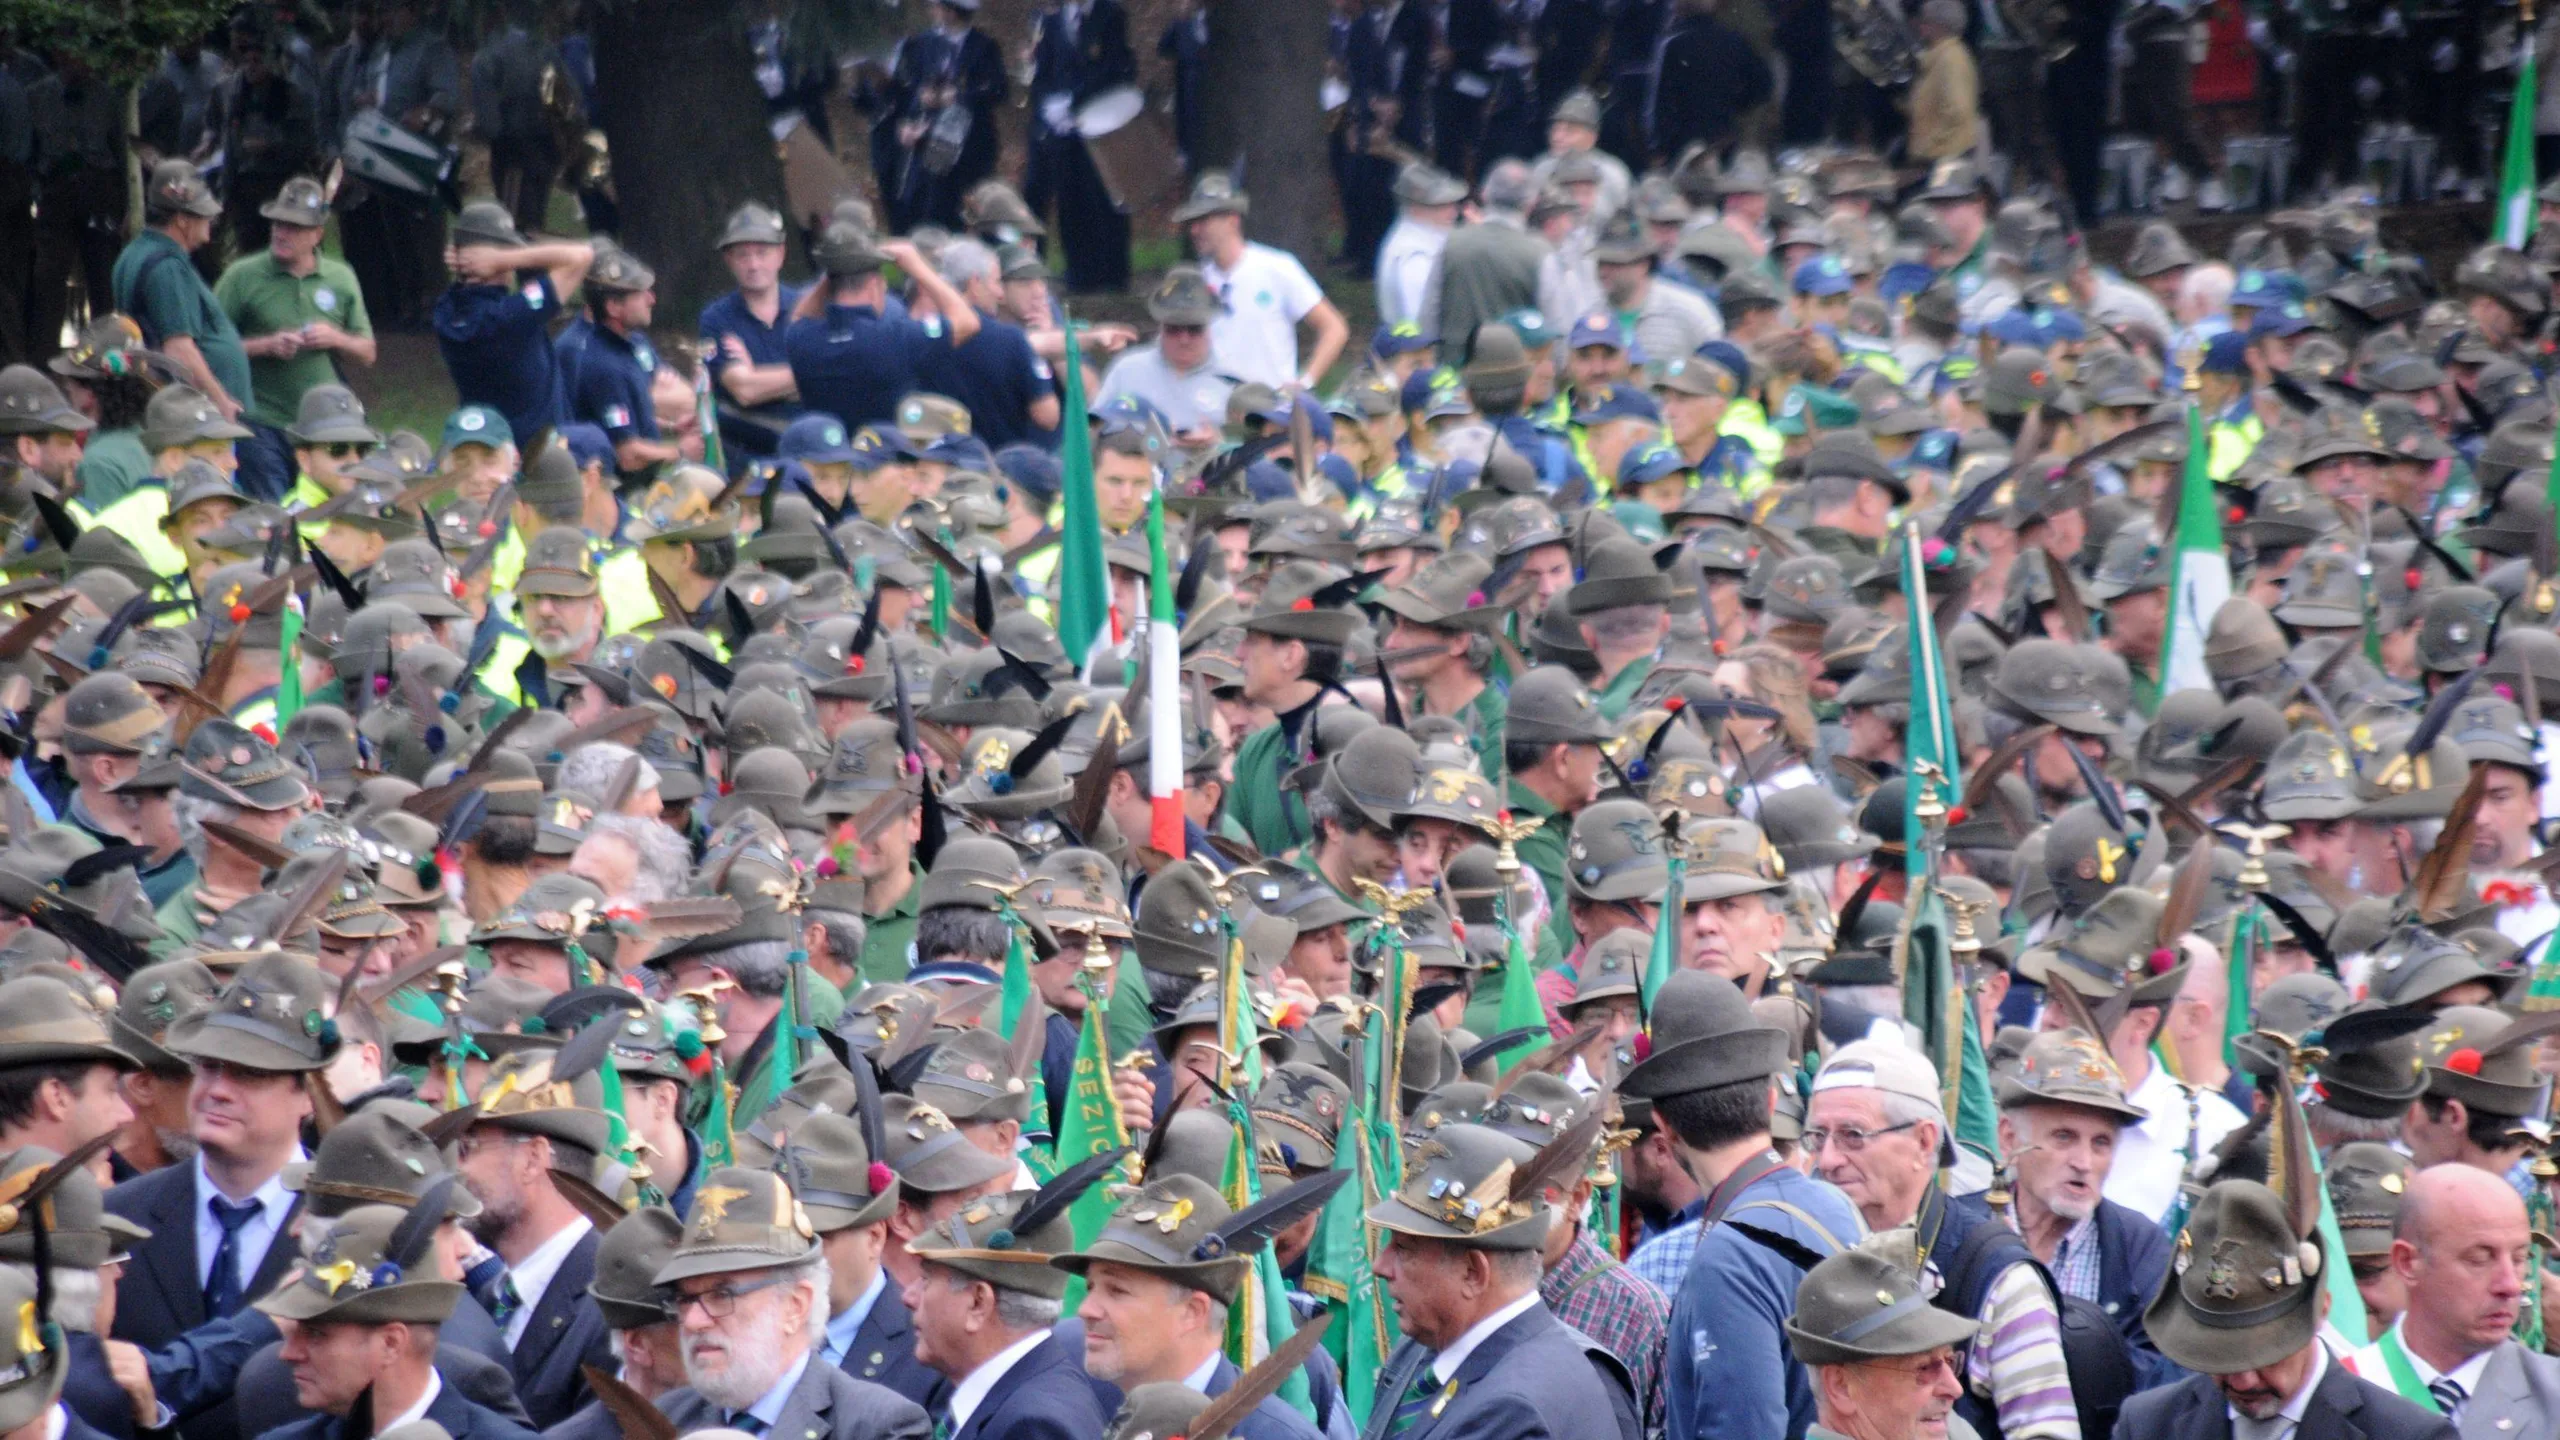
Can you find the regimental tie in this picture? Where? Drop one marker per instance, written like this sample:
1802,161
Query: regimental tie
1421,1397
2449,1396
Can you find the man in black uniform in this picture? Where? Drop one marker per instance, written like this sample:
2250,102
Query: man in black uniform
1078,50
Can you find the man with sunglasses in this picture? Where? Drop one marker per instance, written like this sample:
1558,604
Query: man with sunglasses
329,434
1179,374
1876,1129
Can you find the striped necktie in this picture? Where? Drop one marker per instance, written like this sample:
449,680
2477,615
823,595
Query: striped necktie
2449,1395
1416,1401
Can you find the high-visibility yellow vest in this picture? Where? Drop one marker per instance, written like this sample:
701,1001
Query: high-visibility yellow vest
137,518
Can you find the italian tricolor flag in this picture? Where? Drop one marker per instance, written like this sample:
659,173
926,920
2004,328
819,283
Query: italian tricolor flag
1164,692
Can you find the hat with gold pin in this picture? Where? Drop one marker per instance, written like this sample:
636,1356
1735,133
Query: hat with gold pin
374,1265
1178,1227
1007,1240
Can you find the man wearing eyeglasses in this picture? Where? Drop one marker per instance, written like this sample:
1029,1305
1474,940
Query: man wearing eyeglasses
749,1287
1875,1128
1884,1361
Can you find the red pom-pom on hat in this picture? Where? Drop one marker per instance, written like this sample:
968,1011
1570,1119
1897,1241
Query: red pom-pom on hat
239,614
1674,704
881,1178
264,731
2465,1061
2163,960
1303,602
1643,1045
1957,814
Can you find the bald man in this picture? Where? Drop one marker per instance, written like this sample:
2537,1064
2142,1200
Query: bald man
2463,1249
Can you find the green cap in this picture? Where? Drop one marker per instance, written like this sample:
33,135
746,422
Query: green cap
1860,1305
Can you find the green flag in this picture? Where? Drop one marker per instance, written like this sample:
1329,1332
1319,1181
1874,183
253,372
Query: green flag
1339,1256
1090,1125
2515,176
1521,1008
1666,930
2199,573
1010,1000
1084,592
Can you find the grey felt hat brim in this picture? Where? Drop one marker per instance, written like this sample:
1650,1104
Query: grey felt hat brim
1925,1329
1708,1061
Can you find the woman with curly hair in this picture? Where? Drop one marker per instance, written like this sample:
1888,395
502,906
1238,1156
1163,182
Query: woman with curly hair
110,378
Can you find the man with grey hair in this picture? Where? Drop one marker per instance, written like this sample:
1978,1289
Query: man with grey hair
633,861
1875,1128
596,769
750,1297
1488,269
1011,395
1624,605
985,1300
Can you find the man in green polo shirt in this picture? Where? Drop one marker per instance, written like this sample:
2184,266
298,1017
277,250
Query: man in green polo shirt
1440,648
301,319
1623,606
1291,655
156,284
1553,733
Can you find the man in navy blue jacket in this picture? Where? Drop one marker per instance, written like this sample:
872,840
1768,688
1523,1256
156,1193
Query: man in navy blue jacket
2059,1114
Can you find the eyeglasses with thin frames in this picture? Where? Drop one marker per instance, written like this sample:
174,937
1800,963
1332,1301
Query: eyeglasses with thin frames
720,1301
1851,1138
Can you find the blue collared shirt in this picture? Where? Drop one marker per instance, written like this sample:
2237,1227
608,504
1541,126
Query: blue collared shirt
841,1329
769,1409
256,1234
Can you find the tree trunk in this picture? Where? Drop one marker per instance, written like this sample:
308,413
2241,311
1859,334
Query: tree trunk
1258,90
685,123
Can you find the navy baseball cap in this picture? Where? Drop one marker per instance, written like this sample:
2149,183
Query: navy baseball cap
1030,469
2035,326
1265,481
1822,276
1597,328
1618,402
1126,412
1933,450
960,452
2223,355
2288,318
1728,355
1649,462
1402,338
876,445
588,444
816,436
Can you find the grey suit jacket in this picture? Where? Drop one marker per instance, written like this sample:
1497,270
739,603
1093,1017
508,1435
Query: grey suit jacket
827,1404
2519,1395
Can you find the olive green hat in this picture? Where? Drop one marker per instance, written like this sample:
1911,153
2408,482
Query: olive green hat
969,1076
31,1375
840,1183
374,1265
45,1022
2484,1058
742,1219
1728,857
79,1229
2067,1067
525,1093
1007,1240
628,1259
1458,1189
271,1016
1702,1035
372,1157
1618,573
1549,706
2366,1182
2242,1292
153,1002
929,1154
1161,1227
1300,1107
1860,1305
1306,600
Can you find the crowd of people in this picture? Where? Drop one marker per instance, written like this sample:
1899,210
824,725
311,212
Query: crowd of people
1679,840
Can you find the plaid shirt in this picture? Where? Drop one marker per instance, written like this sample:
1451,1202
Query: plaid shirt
2075,1260
1662,1260
1601,1298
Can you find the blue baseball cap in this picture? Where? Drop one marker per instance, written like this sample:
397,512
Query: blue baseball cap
1617,402
1126,412
1822,276
477,425
1532,328
2035,326
960,452
588,445
1905,277
2258,288
815,436
1402,338
1933,450
1265,481
2289,318
1651,461
2223,355
1730,356
1030,469
876,445
1597,328
1337,470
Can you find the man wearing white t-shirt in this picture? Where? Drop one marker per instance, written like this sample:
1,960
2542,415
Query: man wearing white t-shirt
1266,292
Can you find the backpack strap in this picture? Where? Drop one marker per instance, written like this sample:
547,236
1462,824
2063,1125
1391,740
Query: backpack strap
1796,1214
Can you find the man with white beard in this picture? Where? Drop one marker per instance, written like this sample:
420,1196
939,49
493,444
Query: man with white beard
561,606
2060,1113
749,1285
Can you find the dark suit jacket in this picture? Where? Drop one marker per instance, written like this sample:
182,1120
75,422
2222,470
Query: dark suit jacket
1097,59
1529,1380
592,1423
460,1418
884,1353
827,1404
90,1390
161,1294
1045,1396
2133,1258
1273,1419
267,1400
565,1331
2342,1408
